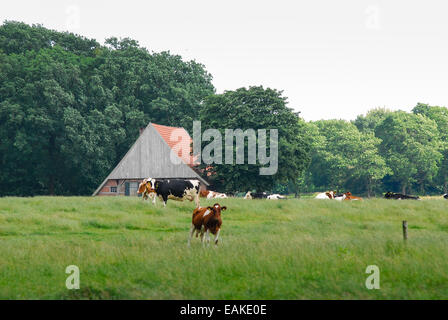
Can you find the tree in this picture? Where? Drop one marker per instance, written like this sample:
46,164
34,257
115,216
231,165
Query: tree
410,144
371,167
256,108
371,120
71,108
440,116
341,153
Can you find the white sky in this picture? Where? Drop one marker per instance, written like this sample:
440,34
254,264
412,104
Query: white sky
332,59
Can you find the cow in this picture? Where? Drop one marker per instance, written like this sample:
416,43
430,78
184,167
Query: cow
206,220
349,196
325,195
176,189
340,197
145,189
276,197
399,196
204,193
445,196
259,195
212,194
218,195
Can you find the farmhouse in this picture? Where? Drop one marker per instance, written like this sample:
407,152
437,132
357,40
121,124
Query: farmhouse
157,153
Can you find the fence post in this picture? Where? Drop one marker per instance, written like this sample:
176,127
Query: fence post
405,230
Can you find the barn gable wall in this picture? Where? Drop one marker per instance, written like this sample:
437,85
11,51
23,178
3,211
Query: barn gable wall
149,156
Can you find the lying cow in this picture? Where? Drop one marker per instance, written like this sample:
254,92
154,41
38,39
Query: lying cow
206,220
212,194
176,189
325,195
399,196
276,197
445,196
349,196
204,193
259,195
340,196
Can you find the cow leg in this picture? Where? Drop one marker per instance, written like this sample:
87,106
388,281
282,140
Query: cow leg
165,199
154,199
216,236
202,238
208,237
197,200
191,234
204,233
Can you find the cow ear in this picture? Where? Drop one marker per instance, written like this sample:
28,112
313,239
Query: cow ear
210,208
224,208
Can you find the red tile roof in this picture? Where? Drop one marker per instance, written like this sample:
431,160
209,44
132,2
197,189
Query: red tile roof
178,138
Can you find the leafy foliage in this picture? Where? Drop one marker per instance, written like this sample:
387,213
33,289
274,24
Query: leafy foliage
410,145
257,108
70,108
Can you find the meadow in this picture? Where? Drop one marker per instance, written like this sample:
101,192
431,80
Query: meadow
287,249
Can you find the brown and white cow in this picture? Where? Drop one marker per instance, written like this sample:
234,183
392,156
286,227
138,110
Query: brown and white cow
325,195
146,190
212,194
349,196
206,220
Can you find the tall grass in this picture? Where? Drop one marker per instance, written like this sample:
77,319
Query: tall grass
293,249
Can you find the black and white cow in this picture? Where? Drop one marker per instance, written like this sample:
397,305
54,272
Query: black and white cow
176,189
259,195
399,196
445,196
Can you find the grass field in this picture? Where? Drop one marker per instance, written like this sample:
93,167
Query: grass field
293,249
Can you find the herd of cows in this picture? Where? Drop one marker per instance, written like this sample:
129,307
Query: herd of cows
206,220
331,195
188,189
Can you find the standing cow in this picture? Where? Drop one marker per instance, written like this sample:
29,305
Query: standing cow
176,189
206,220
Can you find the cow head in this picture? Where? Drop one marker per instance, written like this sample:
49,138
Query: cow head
142,187
216,209
348,194
146,184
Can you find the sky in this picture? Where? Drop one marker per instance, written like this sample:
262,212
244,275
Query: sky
332,59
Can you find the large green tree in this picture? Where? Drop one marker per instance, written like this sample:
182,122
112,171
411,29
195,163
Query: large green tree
256,108
440,116
70,108
342,153
411,146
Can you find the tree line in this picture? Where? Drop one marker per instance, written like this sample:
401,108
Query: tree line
383,150
70,108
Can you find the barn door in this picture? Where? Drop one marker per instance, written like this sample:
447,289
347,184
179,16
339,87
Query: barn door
126,189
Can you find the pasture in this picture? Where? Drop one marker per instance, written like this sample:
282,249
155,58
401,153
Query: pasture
293,249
